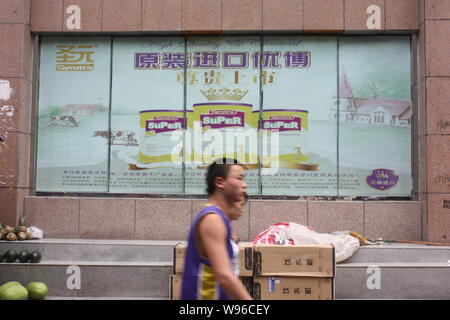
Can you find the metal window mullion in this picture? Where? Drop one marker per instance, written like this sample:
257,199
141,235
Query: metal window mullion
111,55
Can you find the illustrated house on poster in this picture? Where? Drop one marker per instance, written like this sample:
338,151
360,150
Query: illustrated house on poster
377,111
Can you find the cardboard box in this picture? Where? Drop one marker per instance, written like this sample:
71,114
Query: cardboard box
178,257
292,288
248,284
245,258
305,260
175,286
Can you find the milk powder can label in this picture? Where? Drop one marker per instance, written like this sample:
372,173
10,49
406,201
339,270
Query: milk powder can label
224,129
292,127
157,127
218,119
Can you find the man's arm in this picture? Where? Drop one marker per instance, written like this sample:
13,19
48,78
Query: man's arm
212,234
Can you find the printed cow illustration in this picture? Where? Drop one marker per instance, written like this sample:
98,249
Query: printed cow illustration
127,137
64,121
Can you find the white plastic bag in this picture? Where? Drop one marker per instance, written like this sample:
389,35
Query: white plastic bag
36,233
345,245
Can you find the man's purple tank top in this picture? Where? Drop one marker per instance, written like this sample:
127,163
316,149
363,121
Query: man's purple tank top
199,282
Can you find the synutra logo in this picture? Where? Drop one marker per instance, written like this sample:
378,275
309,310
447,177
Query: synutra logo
75,57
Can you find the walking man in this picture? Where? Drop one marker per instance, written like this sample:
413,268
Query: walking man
211,255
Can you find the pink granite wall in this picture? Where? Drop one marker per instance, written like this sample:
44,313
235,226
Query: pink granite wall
170,219
16,129
434,123
21,21
194,16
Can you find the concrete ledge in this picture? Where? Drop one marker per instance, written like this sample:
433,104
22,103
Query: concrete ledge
411,281
95,280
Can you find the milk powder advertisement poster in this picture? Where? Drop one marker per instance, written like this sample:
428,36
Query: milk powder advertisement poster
147,115
73,108
320,116
222,94
299,75
354,137
375,113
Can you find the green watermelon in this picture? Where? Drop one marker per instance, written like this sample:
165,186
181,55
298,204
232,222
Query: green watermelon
23,256
10,256
35,256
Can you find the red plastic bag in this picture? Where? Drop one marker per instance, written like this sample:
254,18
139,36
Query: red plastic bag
272,235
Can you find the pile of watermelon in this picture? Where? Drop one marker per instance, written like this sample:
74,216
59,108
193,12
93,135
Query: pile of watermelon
11,256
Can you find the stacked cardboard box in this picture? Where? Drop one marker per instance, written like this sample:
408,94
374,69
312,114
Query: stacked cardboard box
303,272
245,267
273,272
178,266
